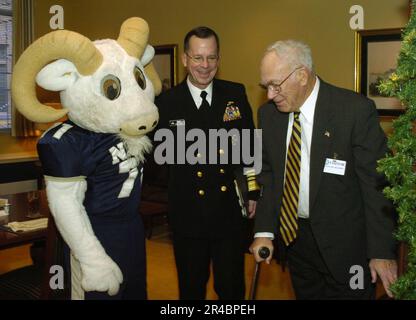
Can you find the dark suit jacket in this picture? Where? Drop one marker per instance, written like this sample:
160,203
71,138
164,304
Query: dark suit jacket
217,212
351,219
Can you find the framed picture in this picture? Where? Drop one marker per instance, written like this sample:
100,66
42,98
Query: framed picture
165,62
376,53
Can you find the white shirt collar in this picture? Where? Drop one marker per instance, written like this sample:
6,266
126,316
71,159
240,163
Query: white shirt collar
196,93
308,107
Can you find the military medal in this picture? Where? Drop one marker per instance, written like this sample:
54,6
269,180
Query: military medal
232,112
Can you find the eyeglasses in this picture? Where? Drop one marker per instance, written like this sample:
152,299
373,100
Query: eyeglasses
200,59
277,87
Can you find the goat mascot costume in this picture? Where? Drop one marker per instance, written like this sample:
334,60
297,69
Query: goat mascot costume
93,162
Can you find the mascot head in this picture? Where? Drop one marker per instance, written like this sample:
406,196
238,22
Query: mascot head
106,86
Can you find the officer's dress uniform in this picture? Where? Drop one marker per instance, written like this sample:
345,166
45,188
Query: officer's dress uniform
111,200
204,211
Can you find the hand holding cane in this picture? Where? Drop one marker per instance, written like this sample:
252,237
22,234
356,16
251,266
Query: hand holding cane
264,253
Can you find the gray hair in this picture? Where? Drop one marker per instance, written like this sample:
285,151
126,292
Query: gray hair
294,52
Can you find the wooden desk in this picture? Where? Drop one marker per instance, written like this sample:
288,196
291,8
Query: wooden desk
18,212
45,251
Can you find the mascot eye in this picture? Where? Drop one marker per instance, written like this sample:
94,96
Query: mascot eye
140,78
111,87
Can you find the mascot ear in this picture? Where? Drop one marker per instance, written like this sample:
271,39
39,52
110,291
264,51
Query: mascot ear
58,75
148,55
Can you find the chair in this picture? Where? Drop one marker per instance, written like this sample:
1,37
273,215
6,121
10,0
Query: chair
154,197
150,210
21,284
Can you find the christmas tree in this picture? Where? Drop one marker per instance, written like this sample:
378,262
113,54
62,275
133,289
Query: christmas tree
400,166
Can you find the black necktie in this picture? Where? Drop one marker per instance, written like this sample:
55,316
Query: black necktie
204,107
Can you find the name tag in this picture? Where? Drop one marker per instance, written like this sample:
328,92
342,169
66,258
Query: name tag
175,123
334,166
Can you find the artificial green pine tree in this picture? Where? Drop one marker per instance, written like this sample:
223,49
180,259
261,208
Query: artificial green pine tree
399,167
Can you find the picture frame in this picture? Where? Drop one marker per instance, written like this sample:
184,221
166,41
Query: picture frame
376,53
165,62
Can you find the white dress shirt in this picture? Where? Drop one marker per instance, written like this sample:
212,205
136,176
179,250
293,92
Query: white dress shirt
307,112
196,93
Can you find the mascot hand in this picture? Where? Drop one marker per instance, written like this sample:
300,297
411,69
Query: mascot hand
101,273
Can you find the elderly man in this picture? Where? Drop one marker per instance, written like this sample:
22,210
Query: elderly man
322,196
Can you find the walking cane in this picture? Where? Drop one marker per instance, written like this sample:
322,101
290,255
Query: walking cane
264,253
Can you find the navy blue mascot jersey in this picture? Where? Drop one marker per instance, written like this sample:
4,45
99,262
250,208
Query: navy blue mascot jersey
111,200
113,177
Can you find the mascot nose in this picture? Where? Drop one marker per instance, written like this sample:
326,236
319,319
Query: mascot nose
142,125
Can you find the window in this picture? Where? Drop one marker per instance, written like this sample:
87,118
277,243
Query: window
6,45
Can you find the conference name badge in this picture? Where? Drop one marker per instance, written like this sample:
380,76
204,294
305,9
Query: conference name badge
176,123
232,112
334,166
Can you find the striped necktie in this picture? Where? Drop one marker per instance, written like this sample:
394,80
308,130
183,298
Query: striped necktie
289,209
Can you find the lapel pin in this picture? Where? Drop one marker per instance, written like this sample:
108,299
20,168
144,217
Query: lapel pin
327,134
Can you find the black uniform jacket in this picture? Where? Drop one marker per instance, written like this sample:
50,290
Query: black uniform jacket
202,197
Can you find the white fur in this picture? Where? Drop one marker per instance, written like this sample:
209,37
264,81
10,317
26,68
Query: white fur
137,147
58,75
148,55
91,110
99,271
82,95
